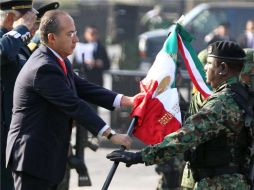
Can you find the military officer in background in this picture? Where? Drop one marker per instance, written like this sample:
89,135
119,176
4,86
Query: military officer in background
213,133
17,20
17,26
248,69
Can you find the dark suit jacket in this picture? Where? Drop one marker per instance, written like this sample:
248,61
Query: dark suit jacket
242,40
95,75
45,103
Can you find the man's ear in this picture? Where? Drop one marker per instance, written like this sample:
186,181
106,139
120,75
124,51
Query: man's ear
223,68
51,37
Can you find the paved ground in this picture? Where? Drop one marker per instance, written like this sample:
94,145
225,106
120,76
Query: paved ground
138,177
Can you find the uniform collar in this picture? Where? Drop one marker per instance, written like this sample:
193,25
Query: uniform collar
224,84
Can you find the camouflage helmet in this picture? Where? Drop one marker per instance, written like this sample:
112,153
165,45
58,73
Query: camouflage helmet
248,68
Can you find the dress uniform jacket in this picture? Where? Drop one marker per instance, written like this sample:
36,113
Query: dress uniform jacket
14,53
11,64
46,100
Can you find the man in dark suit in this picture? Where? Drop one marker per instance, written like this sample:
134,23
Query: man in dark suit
246,39
99,61
48,95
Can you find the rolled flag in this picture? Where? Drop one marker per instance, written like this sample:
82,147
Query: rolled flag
158,110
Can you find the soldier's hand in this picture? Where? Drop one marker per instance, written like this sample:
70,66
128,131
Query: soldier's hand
28,20
121,139
126,157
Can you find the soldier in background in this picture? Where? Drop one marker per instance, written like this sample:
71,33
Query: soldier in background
18,24
220,33
171,174
196,103
17,19
213,134
246,38
248,69
155,18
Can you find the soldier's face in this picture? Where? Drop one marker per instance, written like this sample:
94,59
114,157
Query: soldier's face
212,69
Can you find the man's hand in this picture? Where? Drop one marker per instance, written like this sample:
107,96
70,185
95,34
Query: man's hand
126,157
28,20
121,139
89,63
128,101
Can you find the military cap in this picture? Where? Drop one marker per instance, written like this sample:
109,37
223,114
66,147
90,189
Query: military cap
45,8
16,5
226,50
202,56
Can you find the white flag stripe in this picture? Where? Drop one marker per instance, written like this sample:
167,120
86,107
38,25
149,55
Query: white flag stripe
170,101
162,67
194,69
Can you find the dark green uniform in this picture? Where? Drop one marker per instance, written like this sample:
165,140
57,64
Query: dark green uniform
219,116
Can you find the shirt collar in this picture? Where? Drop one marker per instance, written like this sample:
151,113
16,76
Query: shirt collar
56,54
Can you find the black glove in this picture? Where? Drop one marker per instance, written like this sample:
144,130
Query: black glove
127,157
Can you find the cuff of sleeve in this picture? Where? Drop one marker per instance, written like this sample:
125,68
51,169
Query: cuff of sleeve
103,130
20,32
117,101
139,158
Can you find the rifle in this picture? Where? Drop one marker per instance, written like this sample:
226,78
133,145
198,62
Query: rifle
2,127
77,161
244,96
251,149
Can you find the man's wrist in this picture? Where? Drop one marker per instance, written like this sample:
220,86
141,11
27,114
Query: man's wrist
109,133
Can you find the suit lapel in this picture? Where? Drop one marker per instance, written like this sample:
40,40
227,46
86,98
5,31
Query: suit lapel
70,76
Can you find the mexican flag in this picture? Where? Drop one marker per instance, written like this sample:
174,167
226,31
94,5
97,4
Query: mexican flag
158,110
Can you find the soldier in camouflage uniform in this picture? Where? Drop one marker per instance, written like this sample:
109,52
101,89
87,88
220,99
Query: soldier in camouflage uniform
212,134
248,68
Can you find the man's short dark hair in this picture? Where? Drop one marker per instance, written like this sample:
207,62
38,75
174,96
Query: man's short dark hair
50,24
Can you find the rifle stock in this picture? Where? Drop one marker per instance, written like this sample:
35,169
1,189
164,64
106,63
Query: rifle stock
77,161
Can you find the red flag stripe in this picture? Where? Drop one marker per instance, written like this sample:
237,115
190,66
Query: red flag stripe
186,61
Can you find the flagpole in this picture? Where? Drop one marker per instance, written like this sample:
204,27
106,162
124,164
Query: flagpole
115,165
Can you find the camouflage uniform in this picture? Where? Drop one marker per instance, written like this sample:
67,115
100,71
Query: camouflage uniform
171,173
219,114
248,68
